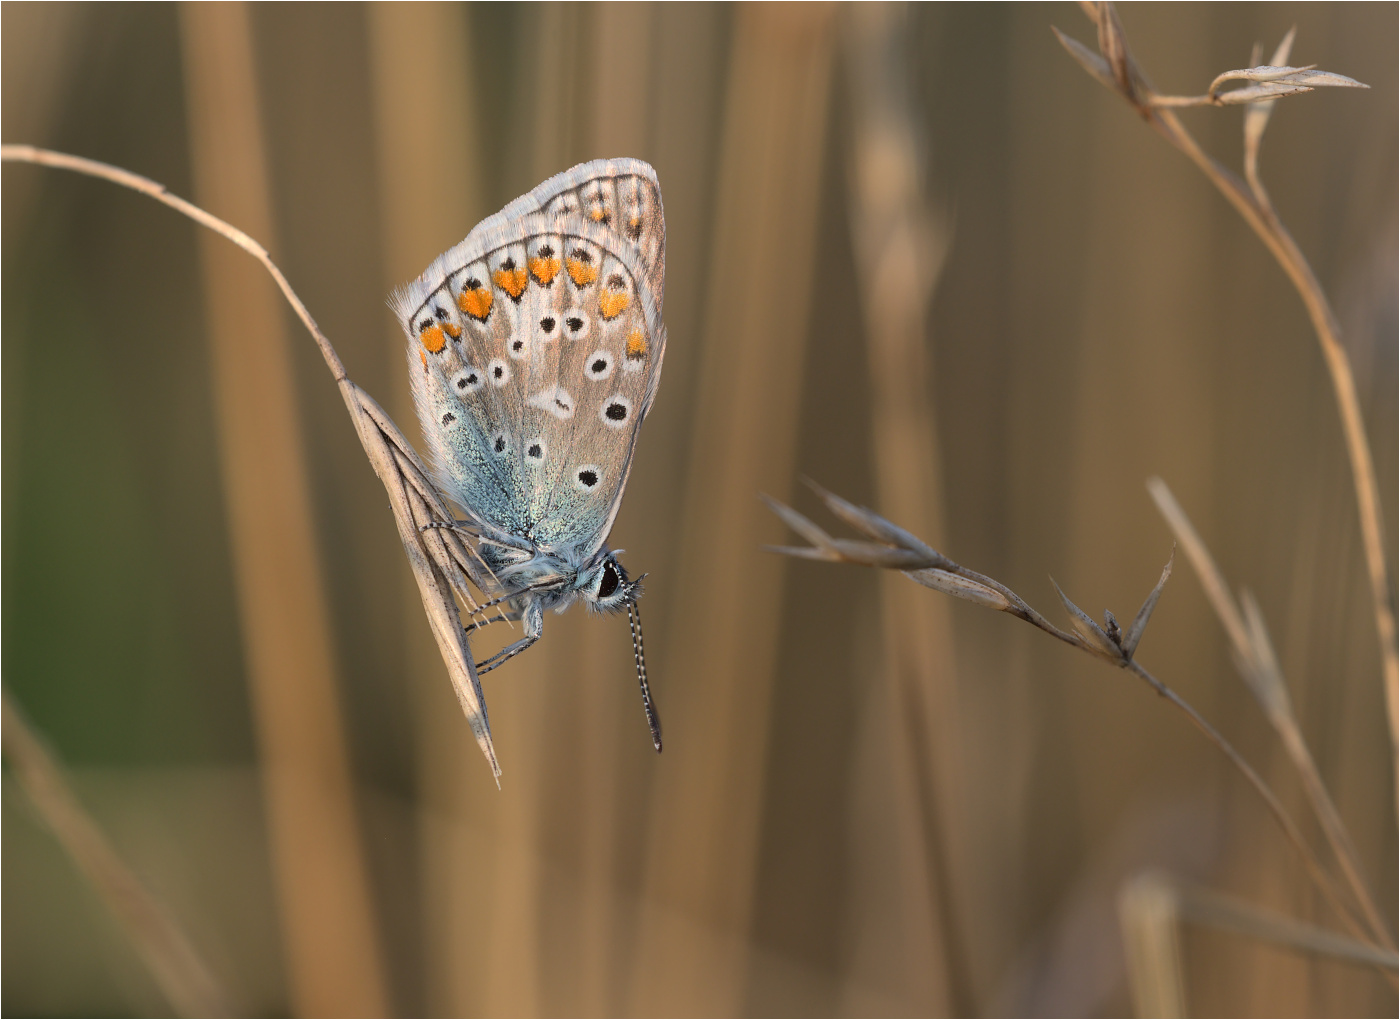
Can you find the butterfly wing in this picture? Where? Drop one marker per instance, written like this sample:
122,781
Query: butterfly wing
621,196
535,352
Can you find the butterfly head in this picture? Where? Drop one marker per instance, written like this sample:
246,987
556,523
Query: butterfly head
604,585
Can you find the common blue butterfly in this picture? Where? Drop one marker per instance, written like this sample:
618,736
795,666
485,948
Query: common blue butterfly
535,350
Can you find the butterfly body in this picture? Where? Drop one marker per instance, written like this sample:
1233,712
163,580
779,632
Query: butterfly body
535,350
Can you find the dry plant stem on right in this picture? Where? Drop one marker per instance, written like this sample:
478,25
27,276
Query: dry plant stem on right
1116,69
891,547
1255,658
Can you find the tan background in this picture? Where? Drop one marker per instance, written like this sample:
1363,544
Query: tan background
807,844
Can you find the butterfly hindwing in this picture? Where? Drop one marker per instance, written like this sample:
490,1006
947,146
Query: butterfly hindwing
536,347
604,369
621,196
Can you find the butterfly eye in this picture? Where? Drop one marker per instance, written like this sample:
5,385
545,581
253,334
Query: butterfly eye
600,365
616,410
610,581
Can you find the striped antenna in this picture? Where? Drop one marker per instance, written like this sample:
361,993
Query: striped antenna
634,620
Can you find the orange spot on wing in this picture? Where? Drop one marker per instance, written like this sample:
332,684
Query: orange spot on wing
475,302
598,214
432,339
581,272
512,281
452,329
636,345
544,270
613,303
423,357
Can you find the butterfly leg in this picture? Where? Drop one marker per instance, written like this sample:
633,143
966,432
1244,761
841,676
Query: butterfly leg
534,626
502,618
506,615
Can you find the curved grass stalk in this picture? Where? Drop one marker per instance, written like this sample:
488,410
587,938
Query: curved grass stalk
891,547
1118,71
440,558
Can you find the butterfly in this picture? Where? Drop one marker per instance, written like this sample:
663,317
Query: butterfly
534,351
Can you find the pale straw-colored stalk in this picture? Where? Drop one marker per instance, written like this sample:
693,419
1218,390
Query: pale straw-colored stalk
1255,658
162,944
1152,906
901,244
325,906
1116,69
705,823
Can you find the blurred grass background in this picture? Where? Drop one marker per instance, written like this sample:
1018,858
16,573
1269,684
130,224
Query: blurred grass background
806,845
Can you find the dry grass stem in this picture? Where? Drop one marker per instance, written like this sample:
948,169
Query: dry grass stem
900,242
1147,916
1115,68
1215,910
325,906
1151,908
705,820
1257,662
440,557
917,561
182,975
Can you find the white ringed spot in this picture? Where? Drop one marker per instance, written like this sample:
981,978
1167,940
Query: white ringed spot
587,477
598,366
616,411
576,323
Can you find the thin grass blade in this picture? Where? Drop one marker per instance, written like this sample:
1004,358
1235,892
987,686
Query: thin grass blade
961,588
1139,624
1269,686
1087,59
870,523
799,524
